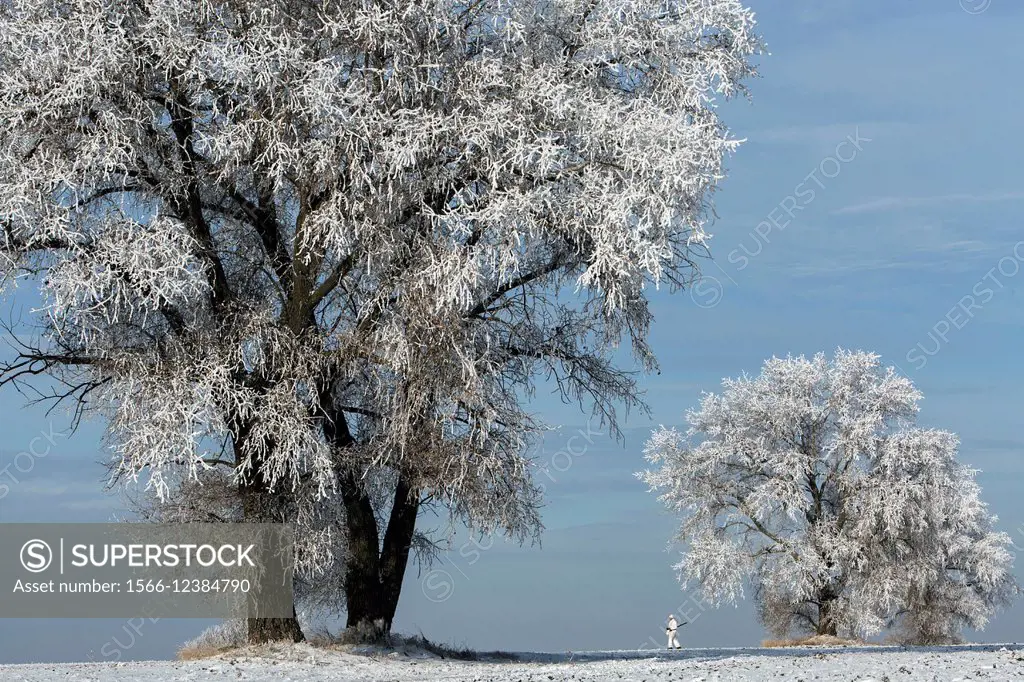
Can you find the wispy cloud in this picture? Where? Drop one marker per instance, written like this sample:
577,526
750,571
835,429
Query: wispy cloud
883,204
896,244
953,256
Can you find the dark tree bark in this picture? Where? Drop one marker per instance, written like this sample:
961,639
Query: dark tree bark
261,504
374,571
826,619
263,630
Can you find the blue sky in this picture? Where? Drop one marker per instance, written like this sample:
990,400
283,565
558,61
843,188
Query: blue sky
925,213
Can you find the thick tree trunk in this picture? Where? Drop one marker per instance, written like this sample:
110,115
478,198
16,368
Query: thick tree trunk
260,505
263,630
826,617
374,572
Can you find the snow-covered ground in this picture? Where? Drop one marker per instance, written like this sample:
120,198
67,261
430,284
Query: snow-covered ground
306,664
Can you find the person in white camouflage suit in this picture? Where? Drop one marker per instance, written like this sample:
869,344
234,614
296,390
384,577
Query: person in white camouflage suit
670,630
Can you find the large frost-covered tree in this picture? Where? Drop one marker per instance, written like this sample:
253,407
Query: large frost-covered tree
306,258
812,483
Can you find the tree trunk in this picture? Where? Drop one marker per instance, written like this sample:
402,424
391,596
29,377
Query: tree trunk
261,505
826,617
374,572
263,630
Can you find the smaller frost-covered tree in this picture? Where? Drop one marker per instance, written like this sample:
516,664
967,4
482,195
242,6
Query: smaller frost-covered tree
813,482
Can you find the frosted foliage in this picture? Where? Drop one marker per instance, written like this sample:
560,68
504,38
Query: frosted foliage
292,247
812,482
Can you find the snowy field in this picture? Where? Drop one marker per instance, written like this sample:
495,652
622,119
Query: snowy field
305,664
